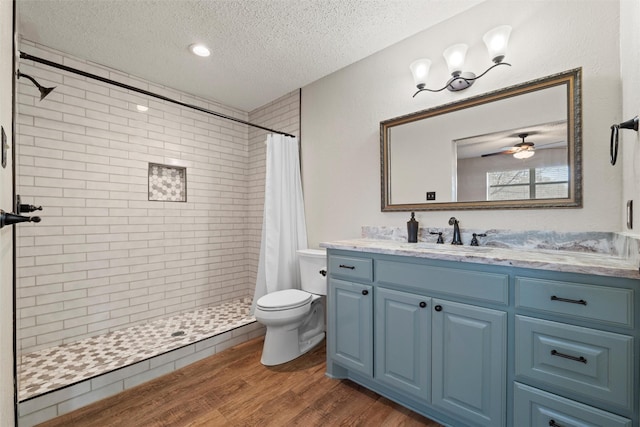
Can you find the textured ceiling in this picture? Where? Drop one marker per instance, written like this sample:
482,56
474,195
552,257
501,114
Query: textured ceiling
261,49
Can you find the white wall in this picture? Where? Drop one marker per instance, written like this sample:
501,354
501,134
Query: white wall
629,155
6,240
341,114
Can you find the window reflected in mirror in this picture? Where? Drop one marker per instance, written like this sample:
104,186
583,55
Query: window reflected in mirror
535,183
516,164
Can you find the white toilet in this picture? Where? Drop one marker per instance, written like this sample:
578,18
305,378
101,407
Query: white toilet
295,318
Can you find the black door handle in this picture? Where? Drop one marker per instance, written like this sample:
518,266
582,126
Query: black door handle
438,307
365,292
423,304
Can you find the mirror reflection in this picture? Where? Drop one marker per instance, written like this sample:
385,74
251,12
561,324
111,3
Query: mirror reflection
534,166
513,148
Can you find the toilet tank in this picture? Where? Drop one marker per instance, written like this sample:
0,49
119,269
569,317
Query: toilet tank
311,262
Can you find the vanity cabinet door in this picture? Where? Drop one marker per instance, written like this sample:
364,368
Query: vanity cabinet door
403,341
469,362
351,325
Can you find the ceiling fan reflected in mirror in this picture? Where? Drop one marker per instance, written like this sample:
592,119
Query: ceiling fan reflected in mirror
521,150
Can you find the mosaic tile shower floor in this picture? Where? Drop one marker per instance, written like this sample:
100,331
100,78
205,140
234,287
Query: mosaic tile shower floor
52,368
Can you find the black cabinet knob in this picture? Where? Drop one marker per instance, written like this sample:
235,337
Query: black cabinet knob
423,304
438,307
365,292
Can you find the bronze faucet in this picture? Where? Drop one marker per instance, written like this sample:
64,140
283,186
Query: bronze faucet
456,231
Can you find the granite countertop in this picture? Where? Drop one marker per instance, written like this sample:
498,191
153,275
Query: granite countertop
542,259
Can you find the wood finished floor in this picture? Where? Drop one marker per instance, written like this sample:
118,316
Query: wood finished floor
232,388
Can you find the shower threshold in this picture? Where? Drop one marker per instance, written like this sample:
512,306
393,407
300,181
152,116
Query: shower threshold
56,367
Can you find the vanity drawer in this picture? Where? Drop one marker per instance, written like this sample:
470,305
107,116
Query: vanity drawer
533,408
593,363
600,303
491,287
351,267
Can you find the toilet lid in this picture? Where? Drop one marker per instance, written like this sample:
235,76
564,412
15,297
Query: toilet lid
284,300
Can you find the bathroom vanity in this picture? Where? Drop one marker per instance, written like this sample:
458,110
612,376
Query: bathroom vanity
486,336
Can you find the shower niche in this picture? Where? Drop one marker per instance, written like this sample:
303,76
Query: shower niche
167,183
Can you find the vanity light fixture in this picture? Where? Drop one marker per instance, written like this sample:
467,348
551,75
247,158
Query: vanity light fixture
496,41
200,50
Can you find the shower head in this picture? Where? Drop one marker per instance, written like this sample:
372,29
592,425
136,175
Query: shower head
44,91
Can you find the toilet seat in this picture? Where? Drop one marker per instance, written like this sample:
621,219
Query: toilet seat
284,300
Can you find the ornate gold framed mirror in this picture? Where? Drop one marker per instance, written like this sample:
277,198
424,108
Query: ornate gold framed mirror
518,147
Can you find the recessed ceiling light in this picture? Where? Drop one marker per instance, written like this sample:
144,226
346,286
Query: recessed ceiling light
200,50
142,108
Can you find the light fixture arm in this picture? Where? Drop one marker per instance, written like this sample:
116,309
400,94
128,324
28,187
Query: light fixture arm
490,68
464,80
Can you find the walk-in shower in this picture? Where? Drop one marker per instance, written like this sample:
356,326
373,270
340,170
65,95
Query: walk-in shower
108,259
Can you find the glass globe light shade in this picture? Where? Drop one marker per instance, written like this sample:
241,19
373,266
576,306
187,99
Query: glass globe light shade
454,55
497,41
420,70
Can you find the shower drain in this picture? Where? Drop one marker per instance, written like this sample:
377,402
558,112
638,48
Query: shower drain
177,333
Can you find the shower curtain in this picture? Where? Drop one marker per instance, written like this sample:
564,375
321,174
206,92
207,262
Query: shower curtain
284,230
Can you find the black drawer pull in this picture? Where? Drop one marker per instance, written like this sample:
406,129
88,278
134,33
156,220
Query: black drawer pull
423,304
567,356
350,267
365,292
553,423
572,301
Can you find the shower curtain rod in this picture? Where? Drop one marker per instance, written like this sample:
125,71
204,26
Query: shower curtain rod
142,91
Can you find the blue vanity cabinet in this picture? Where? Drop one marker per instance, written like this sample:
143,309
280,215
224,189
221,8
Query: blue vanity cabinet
350,315
393,329
576,357
403,341
469,344
350,332
469,362
445,353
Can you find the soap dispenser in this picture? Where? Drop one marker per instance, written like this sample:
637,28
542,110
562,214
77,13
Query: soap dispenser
412,229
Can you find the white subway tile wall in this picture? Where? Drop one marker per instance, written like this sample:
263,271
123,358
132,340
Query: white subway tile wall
104,257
